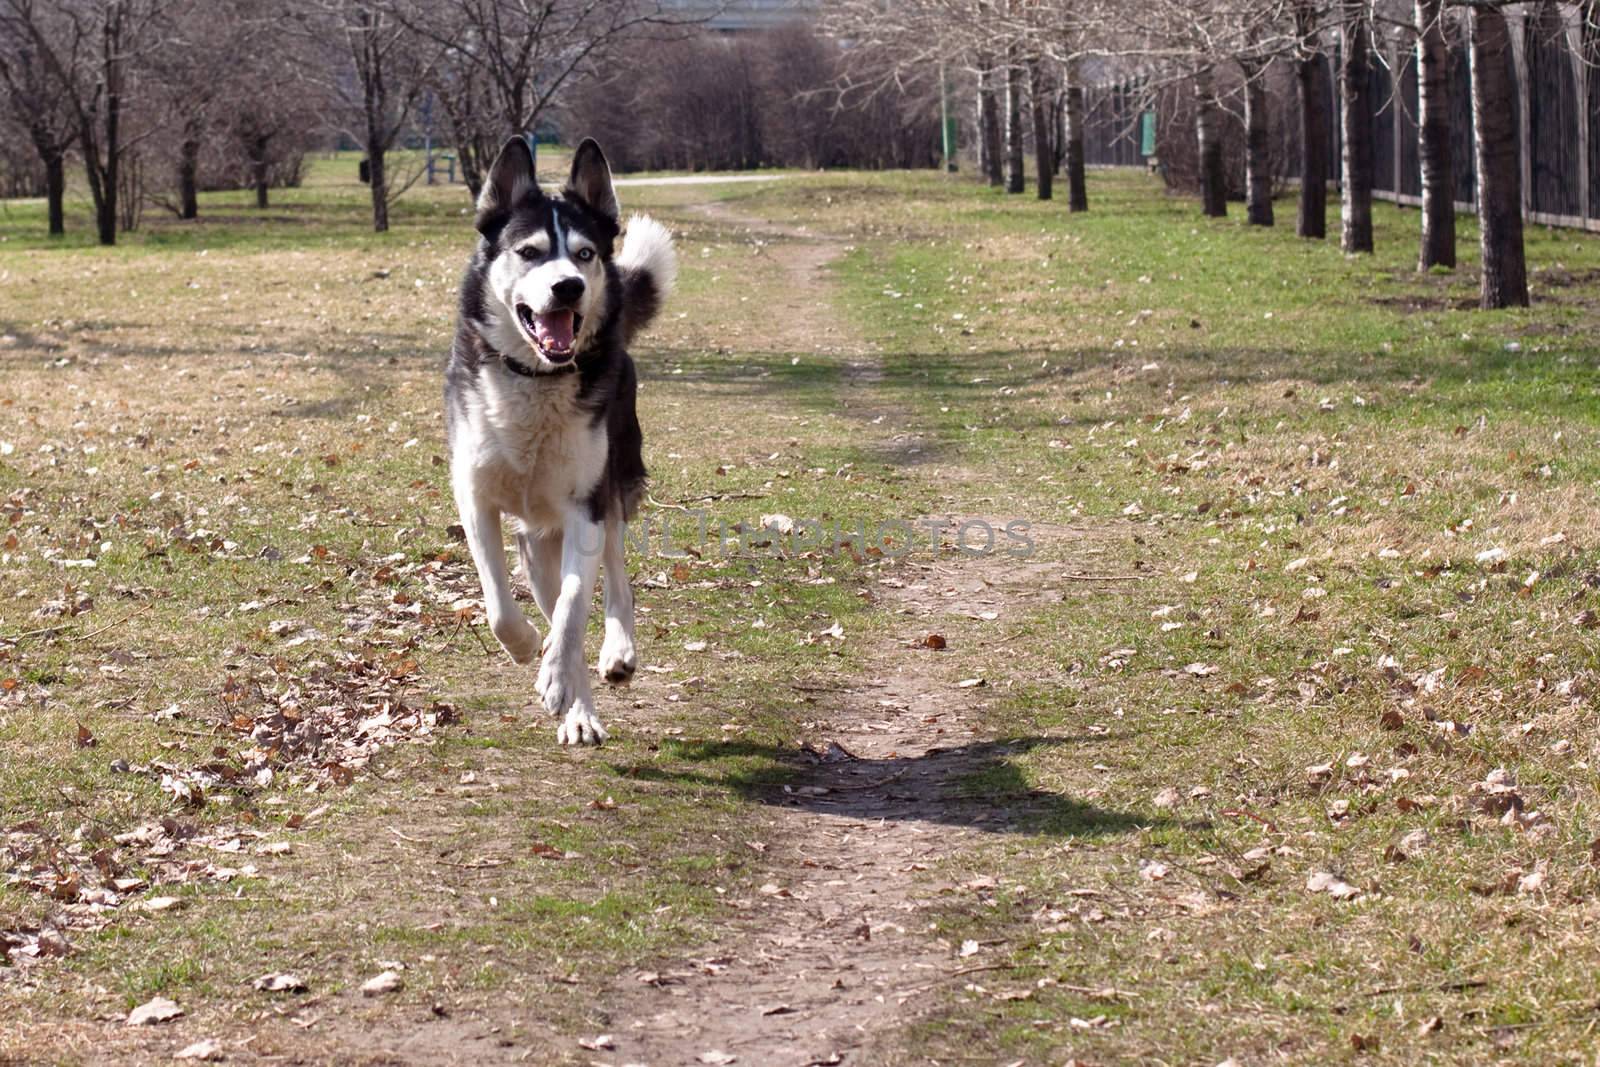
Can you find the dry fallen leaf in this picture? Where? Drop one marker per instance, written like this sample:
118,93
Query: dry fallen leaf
717,1058
1331,884
155,904
159,1010
208,1049
280,982
387,982
596,1044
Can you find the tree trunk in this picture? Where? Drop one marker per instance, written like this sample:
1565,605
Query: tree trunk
1013,124
102,174
380,191
981,126
1043,152
1077,184
1505,272
1208,131
1356,126
188,181
470,157
105,215
1438,177
1258,149
989,118
55,189
1312,74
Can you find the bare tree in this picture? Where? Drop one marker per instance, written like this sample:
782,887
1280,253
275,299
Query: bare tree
199,75
1438,246
504,63
1014,178
94,51
375,68
1208,133
37,103
1077,183
1258,144
1505,272
1212,50
1312,76
1355,118
260,125
989,121
1043,153
471,118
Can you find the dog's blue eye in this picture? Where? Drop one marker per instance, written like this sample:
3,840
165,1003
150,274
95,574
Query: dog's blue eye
586,254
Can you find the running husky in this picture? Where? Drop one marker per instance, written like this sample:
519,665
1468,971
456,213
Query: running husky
539,411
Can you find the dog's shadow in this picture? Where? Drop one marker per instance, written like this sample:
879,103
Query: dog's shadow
978,786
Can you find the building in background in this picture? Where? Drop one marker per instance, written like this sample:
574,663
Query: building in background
746,16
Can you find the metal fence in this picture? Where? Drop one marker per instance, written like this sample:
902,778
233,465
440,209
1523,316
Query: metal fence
1557,107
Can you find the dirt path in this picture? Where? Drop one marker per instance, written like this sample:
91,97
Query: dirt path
835,952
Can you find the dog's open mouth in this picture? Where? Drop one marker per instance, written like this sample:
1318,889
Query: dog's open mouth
552,333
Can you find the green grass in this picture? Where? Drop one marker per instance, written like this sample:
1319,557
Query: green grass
1193,406
1230,401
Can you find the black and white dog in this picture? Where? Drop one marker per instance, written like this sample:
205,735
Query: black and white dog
539,411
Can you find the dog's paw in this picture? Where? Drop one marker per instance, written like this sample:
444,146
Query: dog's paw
556,685
581,727
517,636
618,658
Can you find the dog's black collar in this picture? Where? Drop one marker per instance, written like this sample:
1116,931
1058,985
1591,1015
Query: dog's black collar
516,366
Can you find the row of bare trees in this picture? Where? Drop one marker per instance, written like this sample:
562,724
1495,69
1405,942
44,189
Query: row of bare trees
197,85
1220,54
186,93
240,87
732,101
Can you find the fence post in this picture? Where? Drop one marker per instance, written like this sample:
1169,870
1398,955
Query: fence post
1580,70
1517,23
947,123
1397,107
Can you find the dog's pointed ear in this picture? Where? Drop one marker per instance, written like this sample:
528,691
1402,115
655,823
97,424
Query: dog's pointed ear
590,180
510,179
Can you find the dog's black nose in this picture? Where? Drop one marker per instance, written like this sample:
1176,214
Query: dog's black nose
568,289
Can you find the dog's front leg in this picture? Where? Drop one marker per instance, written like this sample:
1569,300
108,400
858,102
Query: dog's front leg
563,680
486,543
541,565
618,656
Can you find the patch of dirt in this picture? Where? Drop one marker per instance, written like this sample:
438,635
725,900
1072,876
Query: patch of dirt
834,953
805,319
1425,302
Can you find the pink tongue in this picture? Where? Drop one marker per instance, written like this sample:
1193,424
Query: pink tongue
554,330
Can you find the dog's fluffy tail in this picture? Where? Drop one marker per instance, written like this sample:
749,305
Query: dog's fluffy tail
648,266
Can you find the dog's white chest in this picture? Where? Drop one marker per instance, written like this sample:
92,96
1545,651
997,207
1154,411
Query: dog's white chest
528,448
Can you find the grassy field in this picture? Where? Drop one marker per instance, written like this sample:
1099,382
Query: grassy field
1300,690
